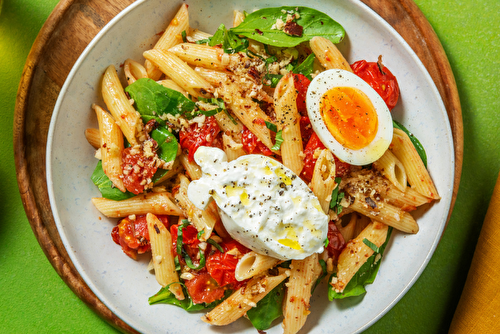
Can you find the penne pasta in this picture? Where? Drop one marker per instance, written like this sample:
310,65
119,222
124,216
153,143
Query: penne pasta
252,264
242,300
328,54
323,180
119,105
162,257
169,83
111,147
192,169
133,71
93,137
418,176
390,166
171,36
233,150
287,115
155,203
356,253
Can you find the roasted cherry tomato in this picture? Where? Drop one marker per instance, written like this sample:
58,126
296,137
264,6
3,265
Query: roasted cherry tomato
137,168
336,242
133,236
193,137
252,145
379,78
301,84
203,288
341,168
305,130
190,240
221,266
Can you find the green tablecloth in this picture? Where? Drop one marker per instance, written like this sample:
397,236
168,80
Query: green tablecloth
35,300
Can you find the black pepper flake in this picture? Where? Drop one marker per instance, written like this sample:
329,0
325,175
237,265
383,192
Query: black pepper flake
156,229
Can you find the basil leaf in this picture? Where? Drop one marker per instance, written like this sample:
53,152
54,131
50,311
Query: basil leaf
418,146
279,141
215,244
268,308
218,37
372,246
167,148
164,296
306,67
106,187
221,106
190,264
336,197
274,78
271,126
365,275
258,26
183,34
154,100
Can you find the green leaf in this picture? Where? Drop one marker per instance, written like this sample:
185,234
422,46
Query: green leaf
324,272
418,146
271,126
258,26
218,37
231,42
365,275
372,246
279,140
167,148
183,34
106,187
336,197
274,78
268,308
154,100
306,67
221,106
164,296
215,244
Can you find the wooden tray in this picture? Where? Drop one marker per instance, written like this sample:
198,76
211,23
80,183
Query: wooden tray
69,29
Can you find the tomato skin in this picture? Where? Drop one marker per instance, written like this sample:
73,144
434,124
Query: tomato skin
203,288
301,84
189,240
336,242
137,168
133,235
252,145
193,137
385,85
221,266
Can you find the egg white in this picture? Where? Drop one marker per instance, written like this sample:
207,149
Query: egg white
262,204
340,78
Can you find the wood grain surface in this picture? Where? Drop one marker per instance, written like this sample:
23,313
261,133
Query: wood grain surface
67,32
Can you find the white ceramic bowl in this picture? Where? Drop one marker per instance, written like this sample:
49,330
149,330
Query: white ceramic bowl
124,285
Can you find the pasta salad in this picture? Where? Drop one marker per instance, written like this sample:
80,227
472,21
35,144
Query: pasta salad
222,159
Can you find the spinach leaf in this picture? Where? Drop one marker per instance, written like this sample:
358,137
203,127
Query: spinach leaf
153,100
167,148
268,308
259,26
306,67
279,140
106,187
418,146
231,42
164,296
365,275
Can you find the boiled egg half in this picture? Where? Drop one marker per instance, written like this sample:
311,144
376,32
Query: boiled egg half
262,204
349,117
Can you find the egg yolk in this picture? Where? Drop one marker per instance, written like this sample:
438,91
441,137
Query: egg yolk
350,116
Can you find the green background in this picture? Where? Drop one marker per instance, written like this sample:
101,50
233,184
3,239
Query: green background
34,299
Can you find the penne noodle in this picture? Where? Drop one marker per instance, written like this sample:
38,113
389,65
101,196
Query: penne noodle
304,274
390,166
111,147
418,176
192,169
233,149
171,36
155,203
93,137
349,231
195,35
323,180
127,118
253,264
328,54
238,17
168,83
162,257
203,55
201,219
178,71
243,299
176,169
356,253
133,71
287,115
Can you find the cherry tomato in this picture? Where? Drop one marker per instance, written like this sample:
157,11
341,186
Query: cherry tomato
133,235
301,84
382,80
252,145
193,137
305,129
137,168
336,242
221,266
189,240
203,288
